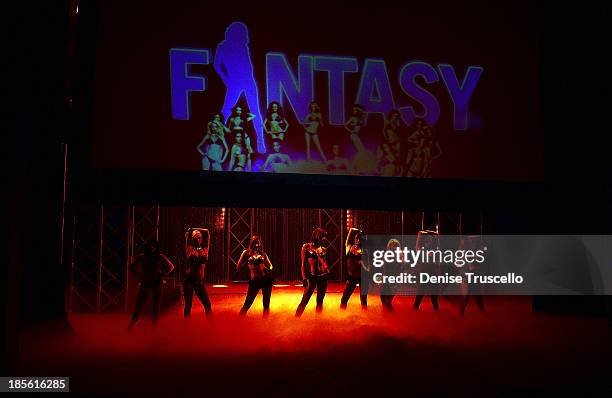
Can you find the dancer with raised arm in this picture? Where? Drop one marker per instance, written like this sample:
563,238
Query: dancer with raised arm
237,123
314,270
356,263
197,245
260,271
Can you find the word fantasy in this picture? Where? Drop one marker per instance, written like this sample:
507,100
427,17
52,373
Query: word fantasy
374,93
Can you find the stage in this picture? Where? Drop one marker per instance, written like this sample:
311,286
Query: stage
505,350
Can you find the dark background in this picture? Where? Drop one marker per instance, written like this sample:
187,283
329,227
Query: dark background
574,196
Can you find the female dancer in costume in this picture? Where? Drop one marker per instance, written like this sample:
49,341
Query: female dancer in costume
240,158
354,125
431,151
260,269
150,267
471,242
197,244
391,132
312,123
314,270
387,162
275,123
355,265
237,123
277,161
213,147
338,164
428,240
216,126
387,292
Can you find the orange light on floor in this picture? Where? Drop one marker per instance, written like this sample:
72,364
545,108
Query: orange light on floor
220,286
299,285
281,285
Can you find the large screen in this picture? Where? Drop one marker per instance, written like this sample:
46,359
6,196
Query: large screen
372,91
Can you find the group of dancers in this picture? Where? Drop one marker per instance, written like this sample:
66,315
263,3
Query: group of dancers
401,151
152,266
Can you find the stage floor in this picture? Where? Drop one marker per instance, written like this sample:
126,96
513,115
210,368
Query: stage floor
506,350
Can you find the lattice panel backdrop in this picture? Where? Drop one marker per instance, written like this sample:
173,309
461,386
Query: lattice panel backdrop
106,238
85,261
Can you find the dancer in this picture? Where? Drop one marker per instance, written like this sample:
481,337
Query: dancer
354,125
427,239
237,123
275,123
415,162
150,267
391,132
260,269
233,64
314,270
417,133
355,265
312,122
431,151
277,161
387,161
364,162
338,165
213,147
414,145
471,242
387,293
197,245
240,159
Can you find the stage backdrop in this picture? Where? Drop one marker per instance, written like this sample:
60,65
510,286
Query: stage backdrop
374,91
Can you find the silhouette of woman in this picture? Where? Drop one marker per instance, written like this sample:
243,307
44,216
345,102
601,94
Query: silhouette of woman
234,66
150,267
196,253
355,265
